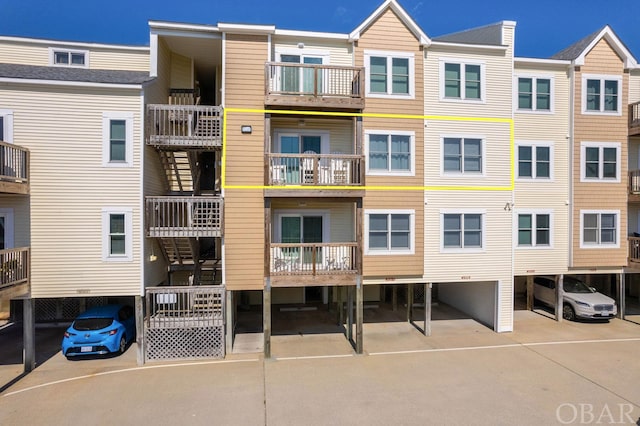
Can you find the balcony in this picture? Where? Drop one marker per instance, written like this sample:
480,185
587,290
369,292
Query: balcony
184,216
314,86
633,185
634,119
14,269
184,126
305,264
634,252
14,169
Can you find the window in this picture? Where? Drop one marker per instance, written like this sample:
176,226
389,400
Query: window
389,74
390,152
301,79
534,160
534,94
389,232
462,155
117,135
601,94
534,229
117,230
462,230
600,162
69,58
599,228
462,81
6,125
6,228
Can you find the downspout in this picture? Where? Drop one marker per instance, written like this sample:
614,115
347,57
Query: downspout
570,137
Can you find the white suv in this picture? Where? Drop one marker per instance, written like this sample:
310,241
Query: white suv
579,300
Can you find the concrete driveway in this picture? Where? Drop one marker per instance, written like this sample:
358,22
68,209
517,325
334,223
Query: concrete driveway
544,373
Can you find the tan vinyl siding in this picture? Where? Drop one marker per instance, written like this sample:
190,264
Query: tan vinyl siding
340,132
244,208
158,91
340,52
600,128
634,86
541,194
181,73
62,127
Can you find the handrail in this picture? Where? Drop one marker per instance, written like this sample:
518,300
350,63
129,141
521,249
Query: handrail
314,80
315,169
184,125
634,114
634,249
14,163
169,216
313,258
14,266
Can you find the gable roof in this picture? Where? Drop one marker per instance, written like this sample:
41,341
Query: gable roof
83,75
489,35
404,17
579,50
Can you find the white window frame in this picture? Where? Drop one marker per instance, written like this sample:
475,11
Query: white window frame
390,252
534,244
9,233
7,124
52,57
483,220
325,138
583,158
389,172
324,55
462,173
128,229
462,63
602,78
588,245
280,213
534,109
533,145
390,55
106,121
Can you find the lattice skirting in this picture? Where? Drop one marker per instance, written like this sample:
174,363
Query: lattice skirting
65,308
184,343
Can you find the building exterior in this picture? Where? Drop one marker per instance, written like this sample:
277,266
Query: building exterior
231,169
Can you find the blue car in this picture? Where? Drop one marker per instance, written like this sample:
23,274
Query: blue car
101,330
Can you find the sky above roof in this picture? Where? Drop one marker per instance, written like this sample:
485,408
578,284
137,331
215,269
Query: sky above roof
543,27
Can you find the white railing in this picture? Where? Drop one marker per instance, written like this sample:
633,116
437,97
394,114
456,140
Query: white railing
184,216
14,266
184,125
314,259
14,163
315,169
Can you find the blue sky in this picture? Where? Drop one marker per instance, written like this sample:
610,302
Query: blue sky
544,26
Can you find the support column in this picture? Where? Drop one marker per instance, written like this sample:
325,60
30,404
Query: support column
409,302
359,315
229,312
427,309
350,313
559,296
139,309
340,306
266,317
394,298
29,335
529,292
621,284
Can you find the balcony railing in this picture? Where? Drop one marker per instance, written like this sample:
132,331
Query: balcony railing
314,85
14,266
634,118
14,163
314,259
184,216
634,182
634,250
186,126
315,169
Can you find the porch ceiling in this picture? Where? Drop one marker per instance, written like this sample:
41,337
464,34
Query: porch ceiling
205,51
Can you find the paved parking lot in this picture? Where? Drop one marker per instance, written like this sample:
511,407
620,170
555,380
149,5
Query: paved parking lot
544,373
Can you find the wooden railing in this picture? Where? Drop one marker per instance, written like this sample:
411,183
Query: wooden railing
321,82
634,116
314,259
184,125
315,169
14,163
184,216
14,266
184,307
634,249
634,182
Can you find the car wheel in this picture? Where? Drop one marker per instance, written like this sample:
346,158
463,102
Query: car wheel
568,313
123,344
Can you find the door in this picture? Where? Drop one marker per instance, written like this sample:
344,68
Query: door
296,229
301,80
6,229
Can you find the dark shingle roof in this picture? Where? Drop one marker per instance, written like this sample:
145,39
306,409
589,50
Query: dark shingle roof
32,72
572,52
488,35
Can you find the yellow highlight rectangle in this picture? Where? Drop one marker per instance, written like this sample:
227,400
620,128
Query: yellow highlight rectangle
372,115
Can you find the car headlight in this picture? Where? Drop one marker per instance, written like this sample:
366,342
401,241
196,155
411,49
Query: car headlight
583,304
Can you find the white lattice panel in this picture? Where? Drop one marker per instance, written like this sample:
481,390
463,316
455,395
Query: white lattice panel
184,343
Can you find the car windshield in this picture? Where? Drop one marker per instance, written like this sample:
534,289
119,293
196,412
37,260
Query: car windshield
572,285
85,324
